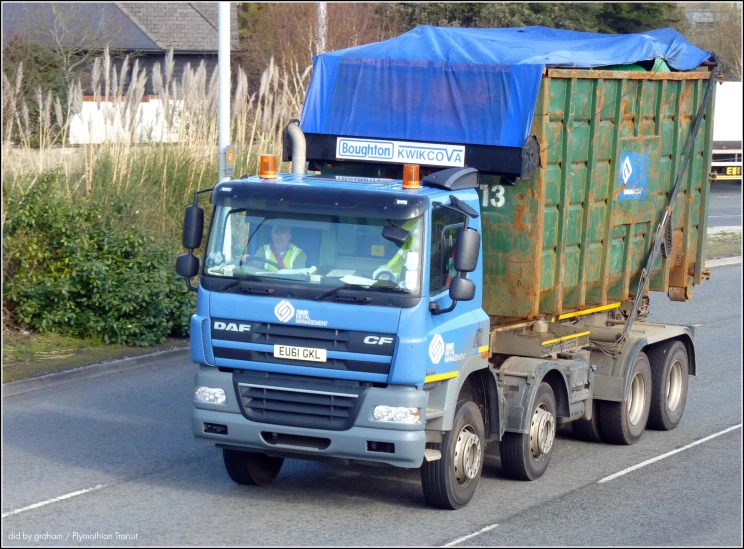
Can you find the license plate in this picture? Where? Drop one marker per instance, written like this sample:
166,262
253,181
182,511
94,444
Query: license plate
299,353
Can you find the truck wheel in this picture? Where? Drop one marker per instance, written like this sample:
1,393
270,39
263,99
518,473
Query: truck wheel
251,468
624,422
669,369
526,456
588,430
450,481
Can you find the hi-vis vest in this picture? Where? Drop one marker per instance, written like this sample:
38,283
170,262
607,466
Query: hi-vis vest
289,257
398,261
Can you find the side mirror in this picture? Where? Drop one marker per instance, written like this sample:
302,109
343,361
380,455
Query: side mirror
467,248
193,228
395,234
187,265
461,289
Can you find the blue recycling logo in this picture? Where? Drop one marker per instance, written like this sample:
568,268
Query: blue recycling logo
633,177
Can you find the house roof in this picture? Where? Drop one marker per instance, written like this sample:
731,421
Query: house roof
185,27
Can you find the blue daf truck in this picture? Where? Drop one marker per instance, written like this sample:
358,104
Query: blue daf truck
462,254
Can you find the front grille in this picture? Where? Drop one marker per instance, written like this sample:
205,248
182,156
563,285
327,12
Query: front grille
248,331
299,401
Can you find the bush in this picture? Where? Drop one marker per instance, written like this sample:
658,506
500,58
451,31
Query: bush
87,269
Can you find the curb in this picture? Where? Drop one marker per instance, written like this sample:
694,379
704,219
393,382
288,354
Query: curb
97,370
723,262
88,372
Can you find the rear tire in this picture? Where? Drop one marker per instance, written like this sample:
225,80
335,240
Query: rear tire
624,422
251,468
588,430
450,482
526,456
669,369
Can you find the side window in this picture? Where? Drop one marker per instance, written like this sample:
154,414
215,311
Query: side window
444,226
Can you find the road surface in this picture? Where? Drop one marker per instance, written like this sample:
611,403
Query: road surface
119,449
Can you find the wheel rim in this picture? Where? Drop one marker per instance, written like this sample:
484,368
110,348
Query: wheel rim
674,386
467,455
542,432
636,399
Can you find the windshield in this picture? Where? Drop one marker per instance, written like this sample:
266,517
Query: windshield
326,252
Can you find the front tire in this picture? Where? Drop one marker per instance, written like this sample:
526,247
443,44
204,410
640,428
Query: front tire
450,482
669,370
624,422
526,456
251,468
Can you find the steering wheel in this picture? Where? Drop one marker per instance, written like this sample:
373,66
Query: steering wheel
384,273
261,260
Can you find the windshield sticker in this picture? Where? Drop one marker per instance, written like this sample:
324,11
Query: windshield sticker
372,150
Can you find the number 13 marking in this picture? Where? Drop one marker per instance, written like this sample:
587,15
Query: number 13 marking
499,198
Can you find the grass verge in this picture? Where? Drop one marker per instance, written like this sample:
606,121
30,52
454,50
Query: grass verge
723,244
27,355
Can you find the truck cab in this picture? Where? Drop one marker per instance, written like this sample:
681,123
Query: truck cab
337,358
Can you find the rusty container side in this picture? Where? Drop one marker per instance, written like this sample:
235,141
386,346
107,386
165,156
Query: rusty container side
572,237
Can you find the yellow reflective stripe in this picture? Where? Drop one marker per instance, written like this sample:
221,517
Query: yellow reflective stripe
589,311
440,377
290,255
564,338
396,263
483,349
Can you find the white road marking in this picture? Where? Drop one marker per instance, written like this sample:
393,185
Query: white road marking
663,456
463,538
53,500
732,215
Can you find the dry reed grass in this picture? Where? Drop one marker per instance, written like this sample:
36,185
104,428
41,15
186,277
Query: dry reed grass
161,176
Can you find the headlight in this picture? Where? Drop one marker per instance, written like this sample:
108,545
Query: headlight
210,395
396,415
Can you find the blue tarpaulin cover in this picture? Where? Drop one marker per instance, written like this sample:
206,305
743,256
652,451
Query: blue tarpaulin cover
467,86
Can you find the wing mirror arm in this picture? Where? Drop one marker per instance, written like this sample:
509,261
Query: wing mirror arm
187,265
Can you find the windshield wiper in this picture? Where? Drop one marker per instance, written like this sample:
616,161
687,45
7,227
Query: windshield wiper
332,291
376,286
393,288
238,281
256,278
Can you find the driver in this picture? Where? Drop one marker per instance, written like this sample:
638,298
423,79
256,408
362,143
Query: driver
281,251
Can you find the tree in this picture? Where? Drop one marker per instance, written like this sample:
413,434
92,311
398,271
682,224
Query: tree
608,18
68,31
717,27
54,43
625,18
288,32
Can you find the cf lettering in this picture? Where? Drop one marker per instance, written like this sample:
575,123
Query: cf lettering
374,340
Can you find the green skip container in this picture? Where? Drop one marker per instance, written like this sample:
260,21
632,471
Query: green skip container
577,234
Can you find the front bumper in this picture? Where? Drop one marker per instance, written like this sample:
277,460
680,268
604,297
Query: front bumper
403,445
